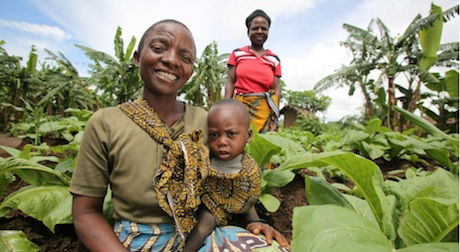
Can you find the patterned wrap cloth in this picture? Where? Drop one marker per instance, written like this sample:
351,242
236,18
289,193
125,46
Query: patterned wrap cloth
186,178
262,109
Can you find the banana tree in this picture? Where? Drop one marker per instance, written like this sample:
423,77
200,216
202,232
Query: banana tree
392,57
205,87
116,78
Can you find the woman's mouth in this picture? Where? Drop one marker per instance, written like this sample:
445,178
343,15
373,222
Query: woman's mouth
167,75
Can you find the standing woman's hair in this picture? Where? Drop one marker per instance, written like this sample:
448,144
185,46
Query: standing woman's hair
257,13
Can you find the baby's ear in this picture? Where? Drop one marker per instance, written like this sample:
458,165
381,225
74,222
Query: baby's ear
250,135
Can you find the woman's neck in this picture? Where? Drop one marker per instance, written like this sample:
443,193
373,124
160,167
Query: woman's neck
167,108
257,49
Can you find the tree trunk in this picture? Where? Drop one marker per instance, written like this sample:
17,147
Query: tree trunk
391,100
368,103
413,104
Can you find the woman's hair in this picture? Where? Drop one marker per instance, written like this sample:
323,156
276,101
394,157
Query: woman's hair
146,33
257,13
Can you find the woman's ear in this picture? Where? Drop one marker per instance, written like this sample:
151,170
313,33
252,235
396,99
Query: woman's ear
136,58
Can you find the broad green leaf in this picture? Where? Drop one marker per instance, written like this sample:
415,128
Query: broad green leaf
442,157
261,149
440,184
35,201
333,228
432,247
430,128
430,39
32,172
269,202
320,192
5,179
60,214
65,166
365,174
452,83
52,127
290,148
428,220
277,177
362,207
14,240
12,151
373,125
374,151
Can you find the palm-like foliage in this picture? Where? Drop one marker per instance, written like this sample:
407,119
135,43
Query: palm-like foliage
68,88
410,56
205,87
116,80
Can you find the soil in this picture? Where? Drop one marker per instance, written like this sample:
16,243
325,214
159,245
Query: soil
65,238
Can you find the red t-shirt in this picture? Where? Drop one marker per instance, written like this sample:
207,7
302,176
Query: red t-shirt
254,74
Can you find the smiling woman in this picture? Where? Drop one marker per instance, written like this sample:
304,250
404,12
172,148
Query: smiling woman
123,147
254,75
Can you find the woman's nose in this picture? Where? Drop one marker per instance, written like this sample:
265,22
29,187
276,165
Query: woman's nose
170,57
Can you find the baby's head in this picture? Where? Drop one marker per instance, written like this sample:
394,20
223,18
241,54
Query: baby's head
228,128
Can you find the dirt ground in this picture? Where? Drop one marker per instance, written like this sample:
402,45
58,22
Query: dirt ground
65,238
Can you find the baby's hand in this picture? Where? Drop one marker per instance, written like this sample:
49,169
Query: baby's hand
269,232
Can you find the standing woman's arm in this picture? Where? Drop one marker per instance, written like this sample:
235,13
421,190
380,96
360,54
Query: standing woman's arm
277,88
231,79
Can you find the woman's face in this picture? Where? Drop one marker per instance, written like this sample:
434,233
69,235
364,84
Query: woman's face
258,31
166,60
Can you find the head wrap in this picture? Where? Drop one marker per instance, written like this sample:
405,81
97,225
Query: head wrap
257,13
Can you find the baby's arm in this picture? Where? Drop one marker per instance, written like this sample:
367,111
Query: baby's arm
257,226
206,224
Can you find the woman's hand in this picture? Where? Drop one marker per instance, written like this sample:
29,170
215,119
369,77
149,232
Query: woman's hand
269,232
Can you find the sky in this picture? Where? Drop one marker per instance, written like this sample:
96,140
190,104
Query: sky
305,34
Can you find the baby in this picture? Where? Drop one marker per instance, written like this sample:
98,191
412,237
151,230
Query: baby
232,185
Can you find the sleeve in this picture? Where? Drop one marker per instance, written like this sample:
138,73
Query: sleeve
277,71
91,173
232,59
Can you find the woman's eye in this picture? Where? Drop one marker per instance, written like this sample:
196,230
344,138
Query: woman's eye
187,58
157,48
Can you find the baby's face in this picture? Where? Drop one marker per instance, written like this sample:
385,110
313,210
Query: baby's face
228,133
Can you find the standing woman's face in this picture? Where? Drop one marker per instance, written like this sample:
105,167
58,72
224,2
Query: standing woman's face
258,31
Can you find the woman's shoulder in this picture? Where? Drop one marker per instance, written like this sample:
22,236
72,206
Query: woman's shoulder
194,114
242,49
106,116
271,53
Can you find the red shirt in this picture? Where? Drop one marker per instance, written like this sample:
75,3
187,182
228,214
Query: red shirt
254,74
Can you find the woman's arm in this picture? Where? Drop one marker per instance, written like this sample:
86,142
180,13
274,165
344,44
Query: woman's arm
277,88
231,79
92,228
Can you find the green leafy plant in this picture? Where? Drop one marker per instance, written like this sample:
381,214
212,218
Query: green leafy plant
46,198
418,213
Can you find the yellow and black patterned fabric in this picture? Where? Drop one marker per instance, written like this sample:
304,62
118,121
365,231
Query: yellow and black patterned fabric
186,177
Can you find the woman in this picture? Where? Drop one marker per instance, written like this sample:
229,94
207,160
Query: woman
123,148
254,75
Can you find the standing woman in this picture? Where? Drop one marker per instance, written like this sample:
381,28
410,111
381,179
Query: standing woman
254,75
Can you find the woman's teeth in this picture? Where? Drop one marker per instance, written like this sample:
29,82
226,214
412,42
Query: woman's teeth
167,75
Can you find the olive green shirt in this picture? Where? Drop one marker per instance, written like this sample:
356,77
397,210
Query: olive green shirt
116,151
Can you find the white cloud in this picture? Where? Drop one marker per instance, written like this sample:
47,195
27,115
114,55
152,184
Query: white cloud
47,31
